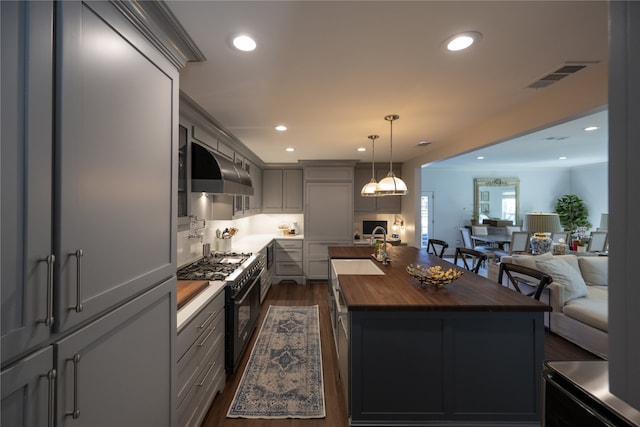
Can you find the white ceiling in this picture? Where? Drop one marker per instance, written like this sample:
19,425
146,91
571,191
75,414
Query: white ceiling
331,71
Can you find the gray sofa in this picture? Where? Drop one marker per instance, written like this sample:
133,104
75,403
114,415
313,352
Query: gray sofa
578,297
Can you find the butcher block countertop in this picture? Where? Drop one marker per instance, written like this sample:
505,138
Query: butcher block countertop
188,289
396,290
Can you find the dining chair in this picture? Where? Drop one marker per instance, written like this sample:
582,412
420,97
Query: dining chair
469,244
519,281
519,242
479,230
471,259
598,241
508,229
437,247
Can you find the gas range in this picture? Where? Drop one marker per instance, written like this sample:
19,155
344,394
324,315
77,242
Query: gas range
235,268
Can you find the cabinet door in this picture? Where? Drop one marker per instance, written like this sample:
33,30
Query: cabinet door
119,370
272,190
117,139
28,391
328,211
26,155
292,181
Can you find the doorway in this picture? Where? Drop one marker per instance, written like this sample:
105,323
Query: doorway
426,217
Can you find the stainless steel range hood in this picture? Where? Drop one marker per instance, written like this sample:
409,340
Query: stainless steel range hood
213,173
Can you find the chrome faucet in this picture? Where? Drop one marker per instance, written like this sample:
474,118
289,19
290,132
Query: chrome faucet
383,251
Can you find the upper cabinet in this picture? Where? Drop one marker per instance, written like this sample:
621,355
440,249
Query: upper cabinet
386,204
282,191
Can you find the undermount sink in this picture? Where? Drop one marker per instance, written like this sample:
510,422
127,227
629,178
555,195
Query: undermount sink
355,266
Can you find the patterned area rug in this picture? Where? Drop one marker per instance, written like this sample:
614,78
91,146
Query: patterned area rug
283,378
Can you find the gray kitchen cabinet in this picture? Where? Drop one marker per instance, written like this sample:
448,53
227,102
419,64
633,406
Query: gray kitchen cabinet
27,126
289,260
328,215
114,191
282,191
27,391
88,210
119,369
201,374
386,204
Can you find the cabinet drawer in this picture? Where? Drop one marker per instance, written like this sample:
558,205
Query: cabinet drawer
288,255
190,365
190,332
289,244
288,269
208,383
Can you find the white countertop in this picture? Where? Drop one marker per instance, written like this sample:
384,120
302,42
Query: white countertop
190,309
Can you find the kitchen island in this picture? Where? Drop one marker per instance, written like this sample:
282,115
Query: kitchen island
467,354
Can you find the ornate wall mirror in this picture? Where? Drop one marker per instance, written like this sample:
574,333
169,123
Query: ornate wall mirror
497,198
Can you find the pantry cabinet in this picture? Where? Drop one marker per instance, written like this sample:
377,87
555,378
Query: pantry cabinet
27,153
88,212
328,214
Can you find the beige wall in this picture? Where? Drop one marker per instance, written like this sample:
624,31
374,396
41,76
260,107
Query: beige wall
558,103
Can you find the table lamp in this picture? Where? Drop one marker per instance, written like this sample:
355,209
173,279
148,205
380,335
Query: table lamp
541,223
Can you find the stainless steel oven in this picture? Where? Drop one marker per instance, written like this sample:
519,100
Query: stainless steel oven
242,311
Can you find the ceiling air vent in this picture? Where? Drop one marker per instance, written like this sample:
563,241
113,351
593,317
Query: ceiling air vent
563,71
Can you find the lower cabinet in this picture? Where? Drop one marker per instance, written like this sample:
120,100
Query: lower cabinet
201,373
119,370
288,260
27,391
116,371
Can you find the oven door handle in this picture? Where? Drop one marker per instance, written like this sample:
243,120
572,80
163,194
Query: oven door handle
249,288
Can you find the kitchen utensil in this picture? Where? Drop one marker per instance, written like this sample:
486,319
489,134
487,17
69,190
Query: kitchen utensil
206,249
218,233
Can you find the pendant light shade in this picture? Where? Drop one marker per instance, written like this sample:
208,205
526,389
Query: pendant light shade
369,189
391,185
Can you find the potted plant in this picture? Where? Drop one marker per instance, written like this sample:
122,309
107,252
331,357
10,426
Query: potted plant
573,213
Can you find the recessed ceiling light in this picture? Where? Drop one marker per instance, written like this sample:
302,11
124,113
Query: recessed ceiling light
244,43
290,149
281,128
361,149
590,128
480,157
462,41
562,158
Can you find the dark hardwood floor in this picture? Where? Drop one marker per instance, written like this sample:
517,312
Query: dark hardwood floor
556,348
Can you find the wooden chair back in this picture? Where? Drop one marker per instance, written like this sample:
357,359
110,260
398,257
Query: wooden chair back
543,279
471,259
437,247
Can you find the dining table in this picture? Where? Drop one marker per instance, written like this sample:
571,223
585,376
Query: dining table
497,239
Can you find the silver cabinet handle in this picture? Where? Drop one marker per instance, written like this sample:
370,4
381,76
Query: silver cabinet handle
48,320
207,337
202,326
78,307
76,409
51,377
201,383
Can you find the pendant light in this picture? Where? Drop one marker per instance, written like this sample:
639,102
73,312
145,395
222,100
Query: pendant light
391,185
369,189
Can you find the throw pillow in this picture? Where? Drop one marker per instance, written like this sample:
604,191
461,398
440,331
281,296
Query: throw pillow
530,260
567,276
594,270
